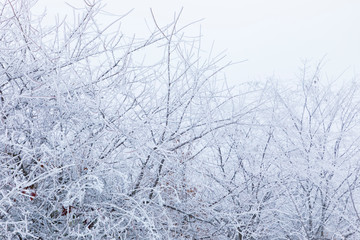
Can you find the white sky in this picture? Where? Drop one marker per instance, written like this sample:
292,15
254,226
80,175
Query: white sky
274,36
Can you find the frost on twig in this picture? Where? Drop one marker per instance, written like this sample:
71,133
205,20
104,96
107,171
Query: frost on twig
99,142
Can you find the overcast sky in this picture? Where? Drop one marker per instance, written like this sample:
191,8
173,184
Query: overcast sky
274,36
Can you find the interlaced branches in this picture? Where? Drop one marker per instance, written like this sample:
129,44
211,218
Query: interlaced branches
98,143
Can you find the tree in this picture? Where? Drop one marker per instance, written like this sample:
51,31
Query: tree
99,142
97,145
316,137
291,170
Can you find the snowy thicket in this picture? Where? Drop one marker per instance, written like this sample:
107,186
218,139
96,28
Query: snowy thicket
98,143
